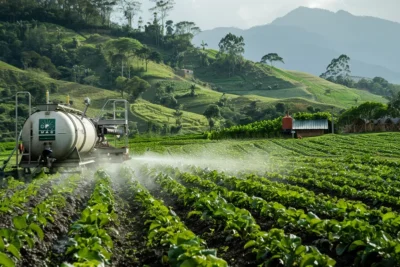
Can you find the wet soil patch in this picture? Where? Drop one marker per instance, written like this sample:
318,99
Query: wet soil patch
131,237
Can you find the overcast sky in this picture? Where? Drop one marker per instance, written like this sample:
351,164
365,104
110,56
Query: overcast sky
244,14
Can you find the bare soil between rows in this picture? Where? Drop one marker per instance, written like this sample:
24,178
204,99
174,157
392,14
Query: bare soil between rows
50,251
130,247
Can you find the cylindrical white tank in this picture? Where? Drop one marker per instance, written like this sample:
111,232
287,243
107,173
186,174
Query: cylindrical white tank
65,131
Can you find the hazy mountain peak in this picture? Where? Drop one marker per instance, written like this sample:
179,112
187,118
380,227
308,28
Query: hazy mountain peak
344,12
309,38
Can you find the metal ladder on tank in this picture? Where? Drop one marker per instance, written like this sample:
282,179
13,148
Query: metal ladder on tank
18,139
18,136
115,121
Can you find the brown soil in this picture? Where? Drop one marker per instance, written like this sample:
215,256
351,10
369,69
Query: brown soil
130,243
49,252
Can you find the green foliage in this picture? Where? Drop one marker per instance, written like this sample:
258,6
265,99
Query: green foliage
231,49
165,229
270,128
271,247
394,105
272,57
90,243
212,111
74,15
339,68
29,227
312,116
31,59
366,111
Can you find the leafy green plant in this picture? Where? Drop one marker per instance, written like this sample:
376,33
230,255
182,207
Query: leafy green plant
90,243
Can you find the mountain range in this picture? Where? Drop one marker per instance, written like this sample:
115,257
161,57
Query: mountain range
308,39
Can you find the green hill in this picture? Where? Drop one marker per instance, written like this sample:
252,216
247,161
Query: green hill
16,78
254,92
271,82
143,112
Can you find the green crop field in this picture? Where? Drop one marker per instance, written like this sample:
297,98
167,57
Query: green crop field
326,201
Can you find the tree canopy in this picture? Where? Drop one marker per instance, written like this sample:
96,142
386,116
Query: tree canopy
271,57
338,69
231,49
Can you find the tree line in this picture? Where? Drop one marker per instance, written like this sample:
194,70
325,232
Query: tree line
264,128
339,71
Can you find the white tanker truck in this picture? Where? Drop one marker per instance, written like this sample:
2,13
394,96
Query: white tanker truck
57,135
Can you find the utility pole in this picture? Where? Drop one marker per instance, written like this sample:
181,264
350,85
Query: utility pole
333,126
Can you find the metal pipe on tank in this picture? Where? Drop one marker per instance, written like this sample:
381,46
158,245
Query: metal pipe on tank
16,123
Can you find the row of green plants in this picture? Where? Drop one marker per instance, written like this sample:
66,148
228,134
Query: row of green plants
18,198
9,184
272,247
357,183
296,146
181,246
349,236
343,145
90,243
324,206
29,227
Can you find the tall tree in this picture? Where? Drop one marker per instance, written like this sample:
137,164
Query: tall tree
394,105
212,112
272,57
122,50
144,53
169,25
163,7
338,68
131,8
232,47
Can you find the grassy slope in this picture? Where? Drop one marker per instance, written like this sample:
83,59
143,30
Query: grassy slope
146,111
280,84
143,111
205,95
77,92
339,96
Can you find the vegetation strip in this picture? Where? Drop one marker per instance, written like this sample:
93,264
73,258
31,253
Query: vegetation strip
166,230
348,236
90,243
241,224
28,228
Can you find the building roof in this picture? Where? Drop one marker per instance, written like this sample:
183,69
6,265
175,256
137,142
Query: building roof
310,125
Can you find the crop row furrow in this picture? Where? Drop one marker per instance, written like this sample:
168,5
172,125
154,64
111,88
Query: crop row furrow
16,201
271,247
325,207
181,246
29,228
343,237
90,243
